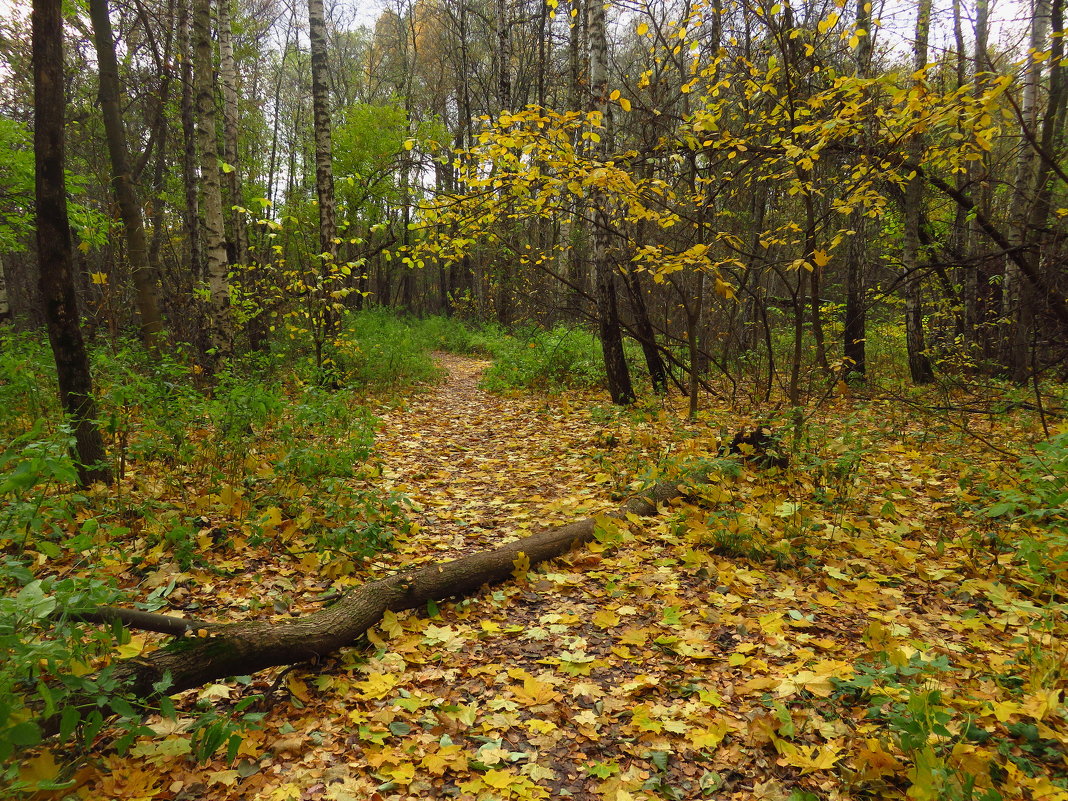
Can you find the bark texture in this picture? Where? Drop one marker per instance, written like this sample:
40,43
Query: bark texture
920,368
54,242
219,333
324,171
228,82
611,335
144,278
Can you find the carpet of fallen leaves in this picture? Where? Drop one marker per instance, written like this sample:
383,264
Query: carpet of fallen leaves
729,648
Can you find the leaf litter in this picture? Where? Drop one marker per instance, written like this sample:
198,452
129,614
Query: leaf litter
846,628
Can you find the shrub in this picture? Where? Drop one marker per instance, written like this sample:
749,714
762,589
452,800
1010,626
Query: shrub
547,360
378,349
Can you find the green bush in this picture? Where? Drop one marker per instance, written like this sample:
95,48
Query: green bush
31,467
1041,497
546,360
327,437
378,349
455,336
27,382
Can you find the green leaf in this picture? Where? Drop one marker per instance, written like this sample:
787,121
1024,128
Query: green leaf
24,734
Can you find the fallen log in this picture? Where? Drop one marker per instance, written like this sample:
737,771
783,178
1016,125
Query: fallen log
212,651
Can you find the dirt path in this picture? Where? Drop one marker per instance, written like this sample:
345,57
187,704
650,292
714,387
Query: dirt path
481,467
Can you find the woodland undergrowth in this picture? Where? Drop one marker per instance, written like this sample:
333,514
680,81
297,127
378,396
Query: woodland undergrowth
884,618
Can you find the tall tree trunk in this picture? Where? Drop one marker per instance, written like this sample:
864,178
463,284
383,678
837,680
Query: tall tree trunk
54,243
854,328
1017,298
144,278
191,211
504,58
324,169
979,301
219,328
1051,141
615,361
920,368
231,111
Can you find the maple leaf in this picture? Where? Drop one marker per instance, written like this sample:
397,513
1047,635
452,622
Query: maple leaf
809,758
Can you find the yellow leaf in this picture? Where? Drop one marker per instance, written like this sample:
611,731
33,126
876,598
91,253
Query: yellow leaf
605,619
391,625
131,649
808,757
401,774
98,278
710,737
1003,710
642,29
298,688
624,104
521,566
377,685
498,779
409,144
820,257
872,762
614,95
42,768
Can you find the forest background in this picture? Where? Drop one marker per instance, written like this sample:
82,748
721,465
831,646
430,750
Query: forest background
244,224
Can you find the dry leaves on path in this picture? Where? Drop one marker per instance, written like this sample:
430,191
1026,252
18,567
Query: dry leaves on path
828,632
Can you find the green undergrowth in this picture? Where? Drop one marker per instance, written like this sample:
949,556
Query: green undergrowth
564,357
263,459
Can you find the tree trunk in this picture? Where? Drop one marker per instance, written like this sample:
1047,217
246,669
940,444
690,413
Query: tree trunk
54,243
191,212
643,326
144,278
1017,300
324,169
615,361
977,289
504,66
219,329
234,649
920,368
228,81
854,327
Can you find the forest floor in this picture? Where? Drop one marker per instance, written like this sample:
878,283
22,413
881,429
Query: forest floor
850,627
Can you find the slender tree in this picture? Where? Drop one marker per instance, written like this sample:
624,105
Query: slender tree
919,364
228,82
219,333
126,195
191,208
854,328
54,242
615,361
324,171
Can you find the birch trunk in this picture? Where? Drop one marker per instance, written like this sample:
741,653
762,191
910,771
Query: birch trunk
324,169
231,116
218,330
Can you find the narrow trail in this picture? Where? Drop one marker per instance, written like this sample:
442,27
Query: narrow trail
481,467
662,661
